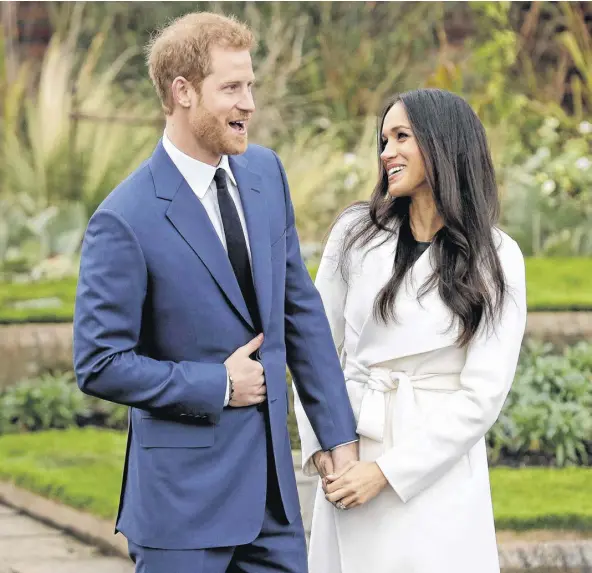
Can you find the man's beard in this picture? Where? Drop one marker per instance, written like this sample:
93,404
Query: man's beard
214,136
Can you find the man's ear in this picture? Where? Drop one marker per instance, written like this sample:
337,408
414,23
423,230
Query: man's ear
182,92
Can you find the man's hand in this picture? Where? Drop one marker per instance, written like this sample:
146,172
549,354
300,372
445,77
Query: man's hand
358,483
247,375
324,464
343,455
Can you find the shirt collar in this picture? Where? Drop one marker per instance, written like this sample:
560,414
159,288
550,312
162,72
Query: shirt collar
198,175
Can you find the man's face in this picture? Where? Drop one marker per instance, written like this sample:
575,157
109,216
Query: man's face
219,120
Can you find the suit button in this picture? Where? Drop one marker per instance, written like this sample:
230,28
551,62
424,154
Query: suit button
258,354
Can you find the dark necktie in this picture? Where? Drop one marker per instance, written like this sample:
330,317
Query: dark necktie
237,247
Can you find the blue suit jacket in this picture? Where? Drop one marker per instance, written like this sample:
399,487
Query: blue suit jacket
158,311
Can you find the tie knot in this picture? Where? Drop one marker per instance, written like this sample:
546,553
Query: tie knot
220,178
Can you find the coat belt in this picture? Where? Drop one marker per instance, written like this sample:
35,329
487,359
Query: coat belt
377,381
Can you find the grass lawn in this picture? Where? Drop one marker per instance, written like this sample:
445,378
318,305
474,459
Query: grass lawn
79,467
542,498
82,468
552,284
559,284
49,301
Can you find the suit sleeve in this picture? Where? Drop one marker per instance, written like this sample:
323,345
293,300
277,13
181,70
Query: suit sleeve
112,287
426,448
311,354
333,290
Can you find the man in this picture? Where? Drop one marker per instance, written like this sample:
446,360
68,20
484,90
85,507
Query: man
192,296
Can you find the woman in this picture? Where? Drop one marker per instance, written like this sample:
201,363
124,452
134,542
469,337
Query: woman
427,306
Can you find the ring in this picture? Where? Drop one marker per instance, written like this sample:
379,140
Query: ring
339,505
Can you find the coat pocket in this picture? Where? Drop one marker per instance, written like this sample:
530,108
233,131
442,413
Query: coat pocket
158,433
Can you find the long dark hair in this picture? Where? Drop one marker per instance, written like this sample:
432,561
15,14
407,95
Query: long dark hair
459,170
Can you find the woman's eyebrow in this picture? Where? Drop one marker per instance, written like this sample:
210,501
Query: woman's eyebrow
393,129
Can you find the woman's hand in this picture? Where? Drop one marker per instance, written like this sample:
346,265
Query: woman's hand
358,483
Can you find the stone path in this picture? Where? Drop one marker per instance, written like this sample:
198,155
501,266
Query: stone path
28,546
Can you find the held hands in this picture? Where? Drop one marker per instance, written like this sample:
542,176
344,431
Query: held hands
356,484
335,461
247,375
343,455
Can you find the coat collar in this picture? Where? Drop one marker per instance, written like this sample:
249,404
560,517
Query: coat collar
191,220
421,326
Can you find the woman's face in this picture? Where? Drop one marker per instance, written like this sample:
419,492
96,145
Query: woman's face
401,156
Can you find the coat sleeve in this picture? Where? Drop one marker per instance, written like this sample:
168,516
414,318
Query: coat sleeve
426,448
333,290
112,287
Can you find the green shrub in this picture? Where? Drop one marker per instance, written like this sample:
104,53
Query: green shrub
54,401
51,401
580,356
548,413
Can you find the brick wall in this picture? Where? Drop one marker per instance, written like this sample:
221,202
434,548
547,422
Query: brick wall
30,349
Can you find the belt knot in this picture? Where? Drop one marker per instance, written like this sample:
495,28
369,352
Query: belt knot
381,380
378,381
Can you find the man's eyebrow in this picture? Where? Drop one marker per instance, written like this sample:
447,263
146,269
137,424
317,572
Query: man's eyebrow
235,82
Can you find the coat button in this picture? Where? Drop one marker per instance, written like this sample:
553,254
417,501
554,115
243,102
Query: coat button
258,354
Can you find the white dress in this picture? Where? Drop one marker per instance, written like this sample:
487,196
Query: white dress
423,406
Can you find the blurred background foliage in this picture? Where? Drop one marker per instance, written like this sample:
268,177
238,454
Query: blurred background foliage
78,114
82,115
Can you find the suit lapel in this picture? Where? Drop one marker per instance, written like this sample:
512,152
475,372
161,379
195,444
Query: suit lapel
257,219
191,220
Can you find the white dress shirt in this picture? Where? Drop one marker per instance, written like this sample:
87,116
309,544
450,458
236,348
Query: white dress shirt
200,178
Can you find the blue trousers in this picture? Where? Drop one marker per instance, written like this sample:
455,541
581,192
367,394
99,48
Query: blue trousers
279,548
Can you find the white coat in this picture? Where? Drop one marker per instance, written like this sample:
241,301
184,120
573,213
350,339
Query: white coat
423,406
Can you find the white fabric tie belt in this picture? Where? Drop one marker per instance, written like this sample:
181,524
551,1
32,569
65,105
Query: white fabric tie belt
378,381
